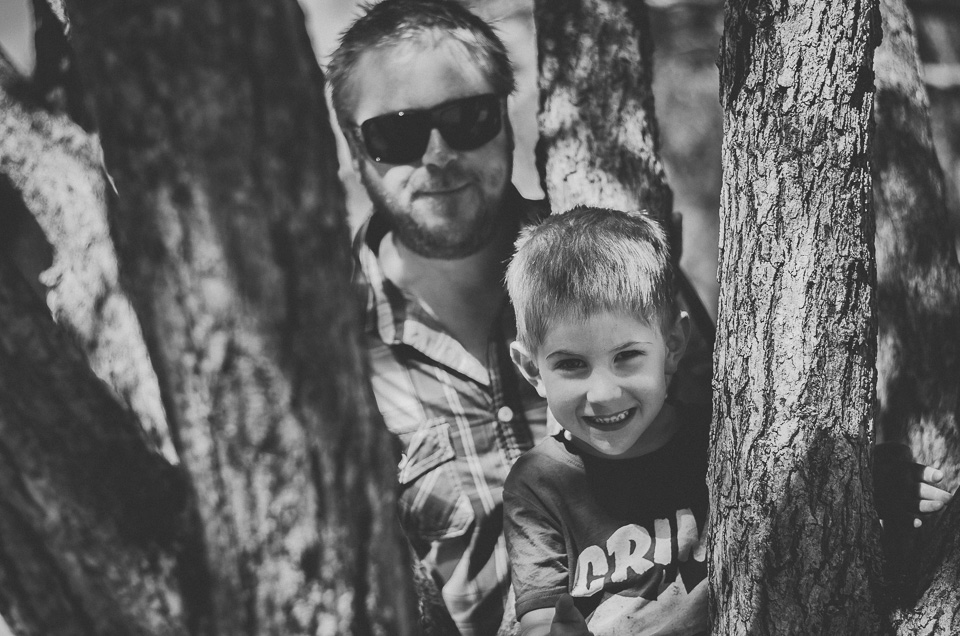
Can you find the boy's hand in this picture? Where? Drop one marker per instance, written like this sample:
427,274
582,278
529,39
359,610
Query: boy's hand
902,488
568,621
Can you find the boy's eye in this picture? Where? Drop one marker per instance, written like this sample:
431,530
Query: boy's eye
629,354
568,364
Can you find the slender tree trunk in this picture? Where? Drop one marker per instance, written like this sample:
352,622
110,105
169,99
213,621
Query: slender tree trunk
89,511
598,133
918,283
92,503
55,168
918,277
794,544
937,607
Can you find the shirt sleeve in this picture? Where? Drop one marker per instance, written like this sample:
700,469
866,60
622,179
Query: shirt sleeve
538,557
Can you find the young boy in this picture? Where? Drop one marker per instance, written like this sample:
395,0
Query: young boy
612,510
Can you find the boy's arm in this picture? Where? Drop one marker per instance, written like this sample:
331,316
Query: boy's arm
902,488
536,548
561,620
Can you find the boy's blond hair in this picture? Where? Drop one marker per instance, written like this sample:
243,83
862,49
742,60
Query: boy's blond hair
585,261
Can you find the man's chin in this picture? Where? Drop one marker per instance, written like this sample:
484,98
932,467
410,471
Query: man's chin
441,247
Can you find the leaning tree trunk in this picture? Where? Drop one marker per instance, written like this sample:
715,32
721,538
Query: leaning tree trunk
936,611
53,171
598,133
232,242
90,512
92,501
918,277
794,545
918,284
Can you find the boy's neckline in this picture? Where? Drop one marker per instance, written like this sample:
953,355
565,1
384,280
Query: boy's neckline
668,434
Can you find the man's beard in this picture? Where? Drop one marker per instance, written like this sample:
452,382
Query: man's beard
442,243
447,243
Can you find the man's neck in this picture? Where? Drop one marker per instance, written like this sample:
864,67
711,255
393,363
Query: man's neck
464,294
480,271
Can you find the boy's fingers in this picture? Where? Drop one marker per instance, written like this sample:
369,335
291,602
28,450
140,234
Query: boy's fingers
929,474
932,493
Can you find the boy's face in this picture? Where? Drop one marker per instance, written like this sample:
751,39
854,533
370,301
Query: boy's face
605,380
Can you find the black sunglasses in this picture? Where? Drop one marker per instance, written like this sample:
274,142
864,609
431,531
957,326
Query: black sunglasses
402,137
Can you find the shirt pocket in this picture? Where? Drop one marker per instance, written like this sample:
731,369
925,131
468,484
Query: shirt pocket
432,504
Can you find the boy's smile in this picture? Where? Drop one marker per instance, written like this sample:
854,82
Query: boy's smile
605,380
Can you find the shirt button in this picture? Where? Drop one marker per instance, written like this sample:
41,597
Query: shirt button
505,414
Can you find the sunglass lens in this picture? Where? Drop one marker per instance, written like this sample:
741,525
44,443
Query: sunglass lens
397,138
469,123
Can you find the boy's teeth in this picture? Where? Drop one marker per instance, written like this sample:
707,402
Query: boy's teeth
612,419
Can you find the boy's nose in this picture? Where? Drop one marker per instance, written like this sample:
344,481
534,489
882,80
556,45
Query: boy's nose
603,388
438,153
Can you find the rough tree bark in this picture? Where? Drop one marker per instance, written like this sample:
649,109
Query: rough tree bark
937,608
598,133
232,243
794,544
90,512
55,168
92,502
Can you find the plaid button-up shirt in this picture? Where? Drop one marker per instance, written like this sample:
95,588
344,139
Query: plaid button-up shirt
462,424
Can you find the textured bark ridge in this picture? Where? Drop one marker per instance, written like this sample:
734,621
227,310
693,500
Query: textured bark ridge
794,545
937,610
598,134
232,242
54,169
89,511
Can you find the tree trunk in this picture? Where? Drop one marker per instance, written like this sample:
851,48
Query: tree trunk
794,543
232,243
918,283
918,277
89,530
92,503
937,610
54,168
598,134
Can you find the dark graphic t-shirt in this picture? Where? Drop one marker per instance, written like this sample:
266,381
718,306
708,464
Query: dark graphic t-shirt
623,537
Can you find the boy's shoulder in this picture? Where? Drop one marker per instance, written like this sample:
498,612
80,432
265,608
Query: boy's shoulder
542,465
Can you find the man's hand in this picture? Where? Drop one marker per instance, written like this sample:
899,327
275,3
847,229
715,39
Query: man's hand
902,488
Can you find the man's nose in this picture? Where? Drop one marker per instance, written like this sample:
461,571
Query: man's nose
604,387
438,153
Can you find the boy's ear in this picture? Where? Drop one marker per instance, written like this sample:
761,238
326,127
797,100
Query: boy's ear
528,367
676,338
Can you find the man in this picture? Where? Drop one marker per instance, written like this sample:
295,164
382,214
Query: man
420,89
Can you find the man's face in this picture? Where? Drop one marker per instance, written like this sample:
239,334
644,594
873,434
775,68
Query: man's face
448,203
